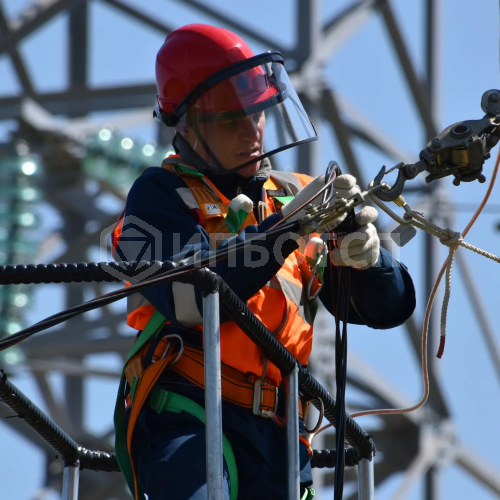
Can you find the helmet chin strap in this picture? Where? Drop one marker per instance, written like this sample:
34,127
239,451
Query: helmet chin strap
187,153
185,150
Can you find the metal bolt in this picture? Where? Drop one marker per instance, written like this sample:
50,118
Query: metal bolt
456,182
435,143
493,97
481,178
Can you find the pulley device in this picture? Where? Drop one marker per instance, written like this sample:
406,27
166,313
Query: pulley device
459,150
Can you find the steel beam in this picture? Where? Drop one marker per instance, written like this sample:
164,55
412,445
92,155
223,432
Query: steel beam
479,311
140,16
78,53
34,16
308,36
240,28
359,125
67,367
331,113
415,84
16,58
336,31
81,101
432,478
81,346
83,331
432,52
478,468
56,411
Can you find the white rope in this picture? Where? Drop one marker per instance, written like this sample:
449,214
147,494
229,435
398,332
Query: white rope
453,240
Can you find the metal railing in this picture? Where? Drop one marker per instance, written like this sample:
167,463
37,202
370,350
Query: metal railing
215,293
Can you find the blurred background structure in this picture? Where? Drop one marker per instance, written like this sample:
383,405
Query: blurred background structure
379,78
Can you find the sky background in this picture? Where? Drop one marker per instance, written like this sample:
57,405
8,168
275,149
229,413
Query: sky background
364,72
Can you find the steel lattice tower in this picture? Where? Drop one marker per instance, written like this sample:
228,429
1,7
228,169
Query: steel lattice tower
417,444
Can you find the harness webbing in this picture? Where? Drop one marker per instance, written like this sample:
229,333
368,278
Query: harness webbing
162,400
122,455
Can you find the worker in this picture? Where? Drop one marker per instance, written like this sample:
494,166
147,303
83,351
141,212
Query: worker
231,110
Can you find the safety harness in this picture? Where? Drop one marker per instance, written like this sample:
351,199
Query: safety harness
152,353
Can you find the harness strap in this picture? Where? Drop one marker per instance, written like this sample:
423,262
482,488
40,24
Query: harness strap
122,430
144,387
259,395
162,400
309,494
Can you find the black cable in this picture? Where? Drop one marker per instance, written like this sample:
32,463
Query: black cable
322,459
237,311
341,316
48,430
341,376
88,272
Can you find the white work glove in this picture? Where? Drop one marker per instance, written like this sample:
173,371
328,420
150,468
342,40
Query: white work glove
344,186
361,248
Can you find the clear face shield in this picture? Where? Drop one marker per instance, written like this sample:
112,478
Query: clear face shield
244,114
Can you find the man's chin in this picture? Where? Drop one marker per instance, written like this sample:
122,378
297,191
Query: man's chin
251,170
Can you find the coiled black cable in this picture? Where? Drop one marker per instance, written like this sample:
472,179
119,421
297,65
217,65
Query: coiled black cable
41,423
207,281
69,450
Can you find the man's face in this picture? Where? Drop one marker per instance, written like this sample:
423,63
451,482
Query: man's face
234,142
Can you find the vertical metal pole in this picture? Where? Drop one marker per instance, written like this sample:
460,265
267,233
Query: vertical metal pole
71,476
292,434
213,396
431,245
432,62
308,38
366,480
78,54
75,224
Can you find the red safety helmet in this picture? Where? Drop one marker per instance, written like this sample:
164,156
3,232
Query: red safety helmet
209,74
192,54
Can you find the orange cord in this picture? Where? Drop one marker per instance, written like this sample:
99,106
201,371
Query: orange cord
425,370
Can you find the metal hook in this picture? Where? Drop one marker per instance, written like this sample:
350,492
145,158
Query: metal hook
405,172
400,202
392,193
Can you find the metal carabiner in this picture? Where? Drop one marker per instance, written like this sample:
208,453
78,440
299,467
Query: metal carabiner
167,347
399,201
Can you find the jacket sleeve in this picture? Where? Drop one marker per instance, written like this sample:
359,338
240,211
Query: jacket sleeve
153,203
381,297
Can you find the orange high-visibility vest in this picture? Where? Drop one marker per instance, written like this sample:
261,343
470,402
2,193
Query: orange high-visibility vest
281,305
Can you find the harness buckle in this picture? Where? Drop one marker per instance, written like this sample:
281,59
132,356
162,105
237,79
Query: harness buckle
265,399
163,348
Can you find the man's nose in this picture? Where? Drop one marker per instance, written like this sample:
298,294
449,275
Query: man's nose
248,126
